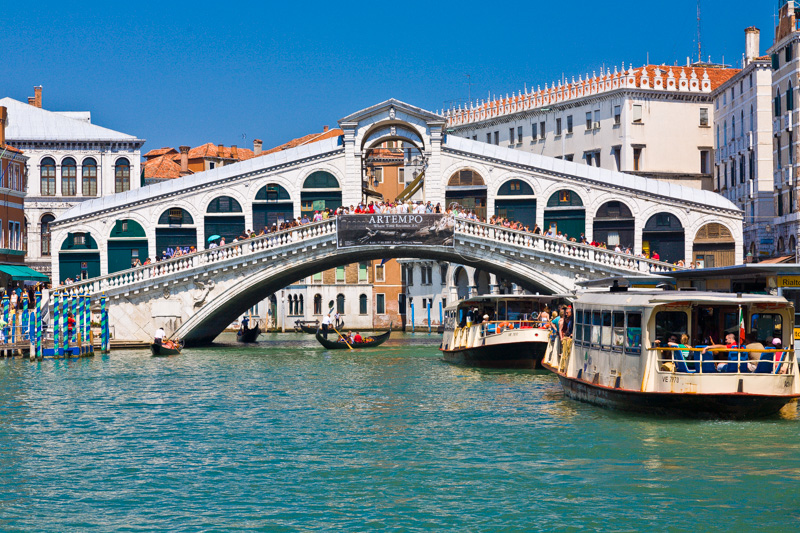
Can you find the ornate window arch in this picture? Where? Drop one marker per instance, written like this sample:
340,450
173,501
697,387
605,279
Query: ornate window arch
122,175
47,173
69,177
89,177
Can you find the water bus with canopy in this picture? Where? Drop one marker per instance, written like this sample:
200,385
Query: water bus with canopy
497,331
665,352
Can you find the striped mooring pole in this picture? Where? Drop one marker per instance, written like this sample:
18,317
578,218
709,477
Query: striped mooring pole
38,325
57,325
25,318
64,326
103,325
73,301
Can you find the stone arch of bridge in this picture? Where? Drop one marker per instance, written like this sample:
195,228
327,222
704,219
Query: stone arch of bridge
226,304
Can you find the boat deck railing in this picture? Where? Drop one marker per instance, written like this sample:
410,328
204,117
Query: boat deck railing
696,360
473,335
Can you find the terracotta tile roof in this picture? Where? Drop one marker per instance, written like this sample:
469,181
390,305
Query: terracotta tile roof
306,139
706,77
159,151
9,148
163,166
212,150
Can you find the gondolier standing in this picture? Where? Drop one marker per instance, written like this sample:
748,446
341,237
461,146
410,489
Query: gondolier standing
326,322
159,336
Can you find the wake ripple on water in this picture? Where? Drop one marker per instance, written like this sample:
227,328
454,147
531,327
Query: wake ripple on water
284,436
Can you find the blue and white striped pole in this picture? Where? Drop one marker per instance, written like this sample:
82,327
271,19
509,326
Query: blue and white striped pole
429,316
64,325
38,325
74,308
56,325
441,315
103,325
412,317
79,321
5,319
25,317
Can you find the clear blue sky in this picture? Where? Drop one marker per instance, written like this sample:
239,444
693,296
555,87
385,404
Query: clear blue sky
230,72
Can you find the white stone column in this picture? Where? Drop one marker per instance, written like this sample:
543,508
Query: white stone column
433,189
351,188
494,287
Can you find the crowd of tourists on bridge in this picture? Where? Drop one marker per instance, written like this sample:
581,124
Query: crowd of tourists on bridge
385,207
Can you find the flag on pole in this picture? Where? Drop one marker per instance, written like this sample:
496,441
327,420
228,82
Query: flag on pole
741,326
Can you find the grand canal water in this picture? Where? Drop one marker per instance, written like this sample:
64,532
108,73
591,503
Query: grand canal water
285,436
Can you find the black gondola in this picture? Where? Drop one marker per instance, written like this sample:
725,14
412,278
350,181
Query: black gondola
314,326
159,350
248,334
341,345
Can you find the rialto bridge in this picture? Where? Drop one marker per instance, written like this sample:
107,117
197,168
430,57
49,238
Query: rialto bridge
196,296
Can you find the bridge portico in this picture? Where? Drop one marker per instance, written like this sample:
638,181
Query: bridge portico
287,184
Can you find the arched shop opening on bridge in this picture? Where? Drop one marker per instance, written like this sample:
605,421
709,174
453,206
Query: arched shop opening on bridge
565,213
224,217
320,191
175,228
468,189
126,243
461,282
516,201
272,206
663,233
614,225
79,257
714,246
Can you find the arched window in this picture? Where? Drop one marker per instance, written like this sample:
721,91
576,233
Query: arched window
362,304
725,131
718,145
122,175
778,103
272,192
515,188
789,98
321,180
48,177
780,245
175,216
224,204
752,120
465,178
340,303
89,177
300,310
733,128
45,234
792,244
564,198
317,304
69,179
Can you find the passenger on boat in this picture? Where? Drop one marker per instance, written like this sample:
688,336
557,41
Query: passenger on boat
780,355
471,317
346,338
755,355
245,323
565,331
730,342
357,338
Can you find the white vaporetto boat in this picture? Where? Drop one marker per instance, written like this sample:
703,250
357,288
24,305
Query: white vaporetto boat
649,351
511,335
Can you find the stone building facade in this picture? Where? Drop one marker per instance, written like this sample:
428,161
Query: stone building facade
70,161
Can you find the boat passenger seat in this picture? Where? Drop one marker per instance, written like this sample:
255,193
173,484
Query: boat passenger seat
680,363
766,364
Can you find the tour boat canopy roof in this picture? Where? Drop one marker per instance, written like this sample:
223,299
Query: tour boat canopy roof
648,297
495,298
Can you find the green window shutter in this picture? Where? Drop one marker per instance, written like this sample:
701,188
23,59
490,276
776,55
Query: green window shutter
775,62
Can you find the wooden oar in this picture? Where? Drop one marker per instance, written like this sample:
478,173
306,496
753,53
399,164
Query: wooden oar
342,337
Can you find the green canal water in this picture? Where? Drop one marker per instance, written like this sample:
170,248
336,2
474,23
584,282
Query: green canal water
285,436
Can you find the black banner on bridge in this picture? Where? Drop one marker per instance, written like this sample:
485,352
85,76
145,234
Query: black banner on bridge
399,229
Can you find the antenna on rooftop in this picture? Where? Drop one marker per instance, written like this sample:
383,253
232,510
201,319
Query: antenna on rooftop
699,42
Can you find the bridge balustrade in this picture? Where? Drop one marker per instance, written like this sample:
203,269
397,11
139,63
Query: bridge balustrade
493,234
555,246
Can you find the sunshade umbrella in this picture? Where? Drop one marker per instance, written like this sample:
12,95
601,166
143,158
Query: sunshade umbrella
214,238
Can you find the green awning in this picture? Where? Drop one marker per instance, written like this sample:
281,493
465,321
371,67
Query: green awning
23,273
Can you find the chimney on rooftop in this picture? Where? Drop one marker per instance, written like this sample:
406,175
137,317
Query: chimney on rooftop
324,129
3,116
257,144
184,160
234,152
220,150
37,95
752,36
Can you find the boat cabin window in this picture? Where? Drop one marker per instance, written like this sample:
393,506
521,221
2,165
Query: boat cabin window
766,326
578,326
633,339
605,334
596,322
618,335
670,323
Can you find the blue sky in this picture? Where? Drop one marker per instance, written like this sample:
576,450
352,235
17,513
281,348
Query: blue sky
230,72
